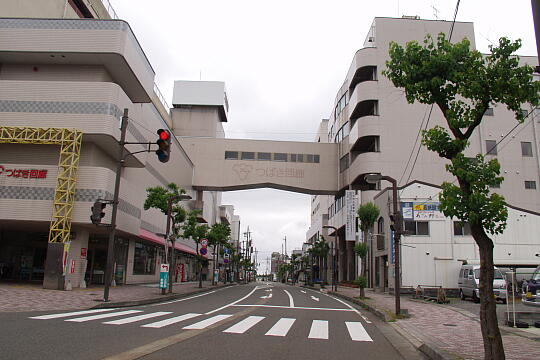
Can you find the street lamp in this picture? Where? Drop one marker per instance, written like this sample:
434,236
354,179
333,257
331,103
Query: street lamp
334,256
172,259
373,179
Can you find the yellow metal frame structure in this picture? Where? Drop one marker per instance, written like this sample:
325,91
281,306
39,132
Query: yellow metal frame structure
69,141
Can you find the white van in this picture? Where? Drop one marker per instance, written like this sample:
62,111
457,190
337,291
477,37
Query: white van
469,278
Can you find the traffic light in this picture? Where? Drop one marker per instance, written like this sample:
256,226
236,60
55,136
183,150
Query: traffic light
395,218
164,145
97,211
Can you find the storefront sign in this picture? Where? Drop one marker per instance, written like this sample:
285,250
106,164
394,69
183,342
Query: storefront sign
72,267
350,208
421,211
23,173
83,253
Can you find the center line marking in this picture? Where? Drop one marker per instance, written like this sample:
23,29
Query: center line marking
291,301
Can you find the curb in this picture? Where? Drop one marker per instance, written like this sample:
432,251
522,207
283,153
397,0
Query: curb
429,349
157,299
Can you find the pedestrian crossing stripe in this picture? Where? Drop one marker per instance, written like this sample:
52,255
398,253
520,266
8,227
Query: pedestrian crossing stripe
319,329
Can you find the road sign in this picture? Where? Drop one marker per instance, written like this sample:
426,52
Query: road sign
204,242
226,261
163,276
203,251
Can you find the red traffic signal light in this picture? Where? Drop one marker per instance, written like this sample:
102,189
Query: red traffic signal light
164,145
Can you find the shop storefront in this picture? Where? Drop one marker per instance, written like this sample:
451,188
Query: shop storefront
22,255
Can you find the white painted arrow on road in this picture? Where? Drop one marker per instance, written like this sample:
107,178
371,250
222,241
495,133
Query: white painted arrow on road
314,298
302,291
267,296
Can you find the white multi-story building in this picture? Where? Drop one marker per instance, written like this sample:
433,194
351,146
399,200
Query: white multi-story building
375,130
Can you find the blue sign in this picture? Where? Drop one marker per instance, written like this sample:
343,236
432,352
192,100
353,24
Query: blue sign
392,251
163,276
203,251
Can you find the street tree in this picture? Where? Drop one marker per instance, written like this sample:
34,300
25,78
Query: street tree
319,250
367,215
158,198
218,236
463,84
192,229
361,250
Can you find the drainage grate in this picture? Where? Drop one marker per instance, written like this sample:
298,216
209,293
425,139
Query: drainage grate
449,324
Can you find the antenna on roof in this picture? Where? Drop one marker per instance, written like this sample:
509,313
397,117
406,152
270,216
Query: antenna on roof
435,12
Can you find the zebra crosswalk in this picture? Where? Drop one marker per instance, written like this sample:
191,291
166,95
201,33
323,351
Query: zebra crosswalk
319,329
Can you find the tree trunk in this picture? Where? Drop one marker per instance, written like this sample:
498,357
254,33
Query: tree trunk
493,345
213,264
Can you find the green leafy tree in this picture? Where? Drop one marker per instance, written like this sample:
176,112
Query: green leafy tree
319,250
367,214
192,229
218,236
361,250
463,84
158,198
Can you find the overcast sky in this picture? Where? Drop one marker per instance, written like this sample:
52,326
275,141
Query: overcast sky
283,62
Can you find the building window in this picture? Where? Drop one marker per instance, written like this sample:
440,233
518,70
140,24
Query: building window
489,112
530,185
293,158
248,155
309,158
280,157
417,227
263,156
526,149
380,225
299,157
491,147
231,155
461,229
316,159
144,260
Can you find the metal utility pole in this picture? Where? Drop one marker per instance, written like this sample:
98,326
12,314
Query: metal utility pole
285,239
536,18
112,232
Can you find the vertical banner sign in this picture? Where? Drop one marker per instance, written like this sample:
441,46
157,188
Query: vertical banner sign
65,257
350,220
163,276
392,250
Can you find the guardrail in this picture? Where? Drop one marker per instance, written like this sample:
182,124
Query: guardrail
161,97
110,9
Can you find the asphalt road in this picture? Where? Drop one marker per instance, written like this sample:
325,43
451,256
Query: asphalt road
254,321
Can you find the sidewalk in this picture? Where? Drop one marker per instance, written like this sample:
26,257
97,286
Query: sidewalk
29,297
434,327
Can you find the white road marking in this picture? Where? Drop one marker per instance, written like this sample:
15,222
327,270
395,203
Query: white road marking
103,316
353,309
357,331
291,301
281,328
268,290
188,298
296,307
133,319
319,330
269,296
205,323
234,302
314,298
56,316
173,320
302,291
244,325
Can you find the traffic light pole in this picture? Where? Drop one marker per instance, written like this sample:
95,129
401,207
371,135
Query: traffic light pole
112,232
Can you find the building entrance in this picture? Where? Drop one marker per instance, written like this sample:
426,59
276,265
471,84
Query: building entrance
22,255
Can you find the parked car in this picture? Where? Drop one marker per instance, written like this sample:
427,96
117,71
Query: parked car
468,282
531,287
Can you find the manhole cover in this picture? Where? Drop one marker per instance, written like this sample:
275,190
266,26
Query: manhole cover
449,324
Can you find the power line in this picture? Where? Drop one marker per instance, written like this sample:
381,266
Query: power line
431,108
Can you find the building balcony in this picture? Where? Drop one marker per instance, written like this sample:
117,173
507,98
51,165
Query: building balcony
366,126
363,164
108,43
366,56
363,74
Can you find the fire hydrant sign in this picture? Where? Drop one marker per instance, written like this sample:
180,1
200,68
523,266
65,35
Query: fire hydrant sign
163,276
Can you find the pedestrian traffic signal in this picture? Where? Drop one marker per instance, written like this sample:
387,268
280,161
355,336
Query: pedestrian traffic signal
164,145
395,218
97,211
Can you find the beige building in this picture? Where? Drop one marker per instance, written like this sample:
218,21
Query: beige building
375,130
49,78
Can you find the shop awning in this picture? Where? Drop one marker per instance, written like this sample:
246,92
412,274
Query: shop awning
150,236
